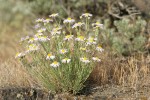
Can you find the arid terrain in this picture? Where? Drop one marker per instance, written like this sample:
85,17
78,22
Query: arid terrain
115,78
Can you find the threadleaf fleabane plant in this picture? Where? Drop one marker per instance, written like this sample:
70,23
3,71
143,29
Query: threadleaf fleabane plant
62,55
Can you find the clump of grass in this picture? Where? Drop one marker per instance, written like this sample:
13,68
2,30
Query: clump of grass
62,56
14,75
129,71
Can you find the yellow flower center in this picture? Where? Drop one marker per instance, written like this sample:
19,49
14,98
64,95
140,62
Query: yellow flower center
32,39
86,14
96,58
31,45
55,62
39,36
40,30
63,51
79,23
53,14
81,37
91,39
47,19
49,55
66,58
83,49
34,47
85,58
17,54
69,18
97,23
42,37
68,36
99,47
57,28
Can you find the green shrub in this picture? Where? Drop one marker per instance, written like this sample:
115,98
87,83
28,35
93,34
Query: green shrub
128,37
14,13
42,7
66,7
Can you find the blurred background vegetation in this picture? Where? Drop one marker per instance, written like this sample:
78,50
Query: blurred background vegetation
18,16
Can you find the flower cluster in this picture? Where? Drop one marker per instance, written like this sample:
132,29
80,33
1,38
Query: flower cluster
79,24
69,20
68,37
98,25
50,56
68,55
86,15
54,15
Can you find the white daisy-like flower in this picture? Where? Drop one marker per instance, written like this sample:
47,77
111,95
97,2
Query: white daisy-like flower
33,39
41,30
80,38
84,49
85,60
32,47
19,55
54,15
79,24
56,31
39,20
65,60
50,56
55,64
38,34
68,37
96,59
37,26
63,51
47,20
69,20
86,15
24,38
99,48
91,41
98,25
43,38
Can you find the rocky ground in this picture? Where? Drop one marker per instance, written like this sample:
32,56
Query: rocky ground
107,92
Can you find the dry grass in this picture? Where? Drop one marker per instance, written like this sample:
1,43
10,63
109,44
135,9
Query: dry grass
8,44
9,40
11,71
13,74
129,71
